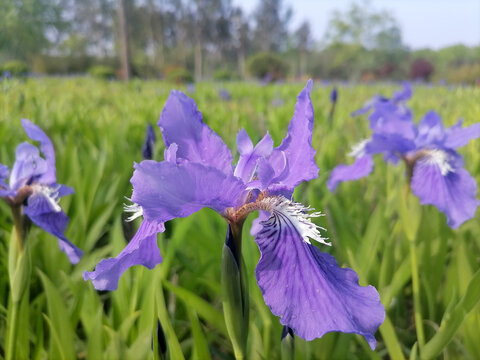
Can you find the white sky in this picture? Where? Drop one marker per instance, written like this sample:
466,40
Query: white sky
424,23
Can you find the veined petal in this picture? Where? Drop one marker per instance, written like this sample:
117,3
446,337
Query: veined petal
297,145
307,289
165,190
360,168
141,250
456,136
42,208
182,123
440,180
36,134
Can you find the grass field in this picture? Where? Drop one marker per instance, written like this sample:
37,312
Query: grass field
98,129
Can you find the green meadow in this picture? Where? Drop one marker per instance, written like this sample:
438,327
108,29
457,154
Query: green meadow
98,128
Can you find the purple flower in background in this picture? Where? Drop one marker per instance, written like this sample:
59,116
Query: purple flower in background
429,150
305,287
224,94
334,95
148,145
33,185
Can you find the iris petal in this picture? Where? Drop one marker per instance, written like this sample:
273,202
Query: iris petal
165,190
141,250
457,136
444,183
307,289
36,134
297,145
360,168
43,210
182,123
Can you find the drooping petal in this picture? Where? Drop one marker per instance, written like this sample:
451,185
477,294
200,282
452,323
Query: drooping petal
36,134
360,168
28,166
440,180
165,190
42,208
456,136
249,155
141,250
297,145
307,290
182,123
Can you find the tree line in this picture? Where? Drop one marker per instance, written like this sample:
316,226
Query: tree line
204,39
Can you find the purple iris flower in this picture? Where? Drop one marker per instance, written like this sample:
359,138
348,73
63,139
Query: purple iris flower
334,95
148,145
224,94
305,287
429,150
33,185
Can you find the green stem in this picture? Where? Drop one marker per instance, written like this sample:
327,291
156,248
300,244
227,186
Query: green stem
18,225
416,296
12,336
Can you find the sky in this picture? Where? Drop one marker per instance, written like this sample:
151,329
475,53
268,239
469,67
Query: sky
424,23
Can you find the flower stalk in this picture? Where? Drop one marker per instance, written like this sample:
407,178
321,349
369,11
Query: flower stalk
235,290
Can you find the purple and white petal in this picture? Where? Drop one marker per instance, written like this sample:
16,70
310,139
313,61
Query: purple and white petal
42,208
249,155
297,145
360,168
36,134
305,288
166,191
456,136
440,180
141,250
181,123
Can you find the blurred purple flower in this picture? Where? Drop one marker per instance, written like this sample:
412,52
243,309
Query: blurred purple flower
148,145
33,185
224,94
300,284
429,150
334,95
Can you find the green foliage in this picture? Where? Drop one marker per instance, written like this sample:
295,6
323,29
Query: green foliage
178,75
101,72
465,74
267,63
225,75
15,68
97,128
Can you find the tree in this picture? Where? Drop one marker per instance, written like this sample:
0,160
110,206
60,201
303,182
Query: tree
303,44
271,25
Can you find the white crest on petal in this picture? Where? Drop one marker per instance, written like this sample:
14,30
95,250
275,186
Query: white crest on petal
133,208
441,159
50,193
358,150
296,214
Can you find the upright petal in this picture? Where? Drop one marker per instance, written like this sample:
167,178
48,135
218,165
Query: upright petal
440,180
297,145
430,131
404,94
36,134
43,210
149,144
249,155
456,136
4,188
360,168
165,190
182,123
28,166
388,118
141,250
307,289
